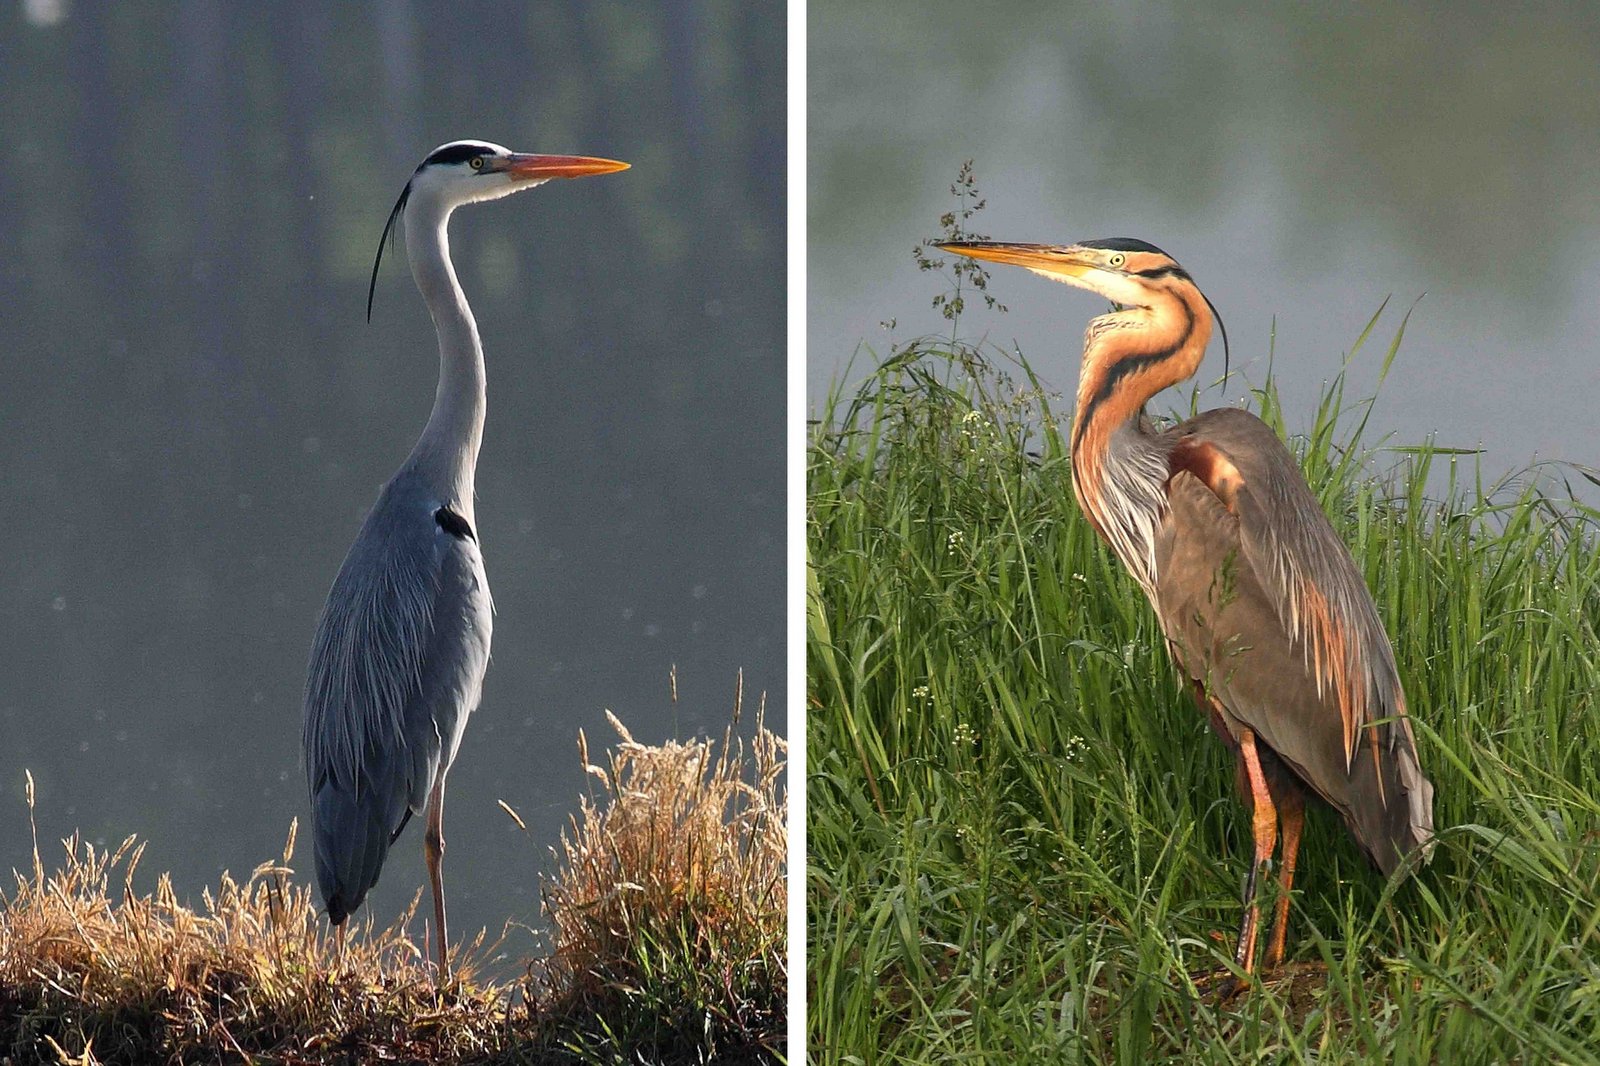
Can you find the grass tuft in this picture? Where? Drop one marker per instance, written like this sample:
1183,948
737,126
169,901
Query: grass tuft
92,971
669,906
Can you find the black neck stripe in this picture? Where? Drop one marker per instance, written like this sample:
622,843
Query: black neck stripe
1123,368
1173,271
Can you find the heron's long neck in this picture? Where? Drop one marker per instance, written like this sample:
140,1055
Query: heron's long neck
447,452
1118,465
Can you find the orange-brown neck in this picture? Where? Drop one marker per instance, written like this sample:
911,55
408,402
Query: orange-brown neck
1128,357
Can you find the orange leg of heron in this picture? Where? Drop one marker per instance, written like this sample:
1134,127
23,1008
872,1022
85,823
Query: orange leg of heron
1264,823
1292,813
338,944
433,851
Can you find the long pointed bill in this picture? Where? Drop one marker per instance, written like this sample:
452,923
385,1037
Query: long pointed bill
544,167
1051,260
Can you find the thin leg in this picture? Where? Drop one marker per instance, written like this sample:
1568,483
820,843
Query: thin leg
338,944
1264,823
433,852
1292,813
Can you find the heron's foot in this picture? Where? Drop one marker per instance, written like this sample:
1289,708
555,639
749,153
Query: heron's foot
1222,985
1232,987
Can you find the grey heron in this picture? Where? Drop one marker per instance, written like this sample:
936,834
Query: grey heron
401,647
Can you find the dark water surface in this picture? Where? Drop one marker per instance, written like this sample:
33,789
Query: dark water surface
195,415
1302,161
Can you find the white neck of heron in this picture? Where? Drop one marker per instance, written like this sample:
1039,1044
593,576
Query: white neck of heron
447,452
1128,357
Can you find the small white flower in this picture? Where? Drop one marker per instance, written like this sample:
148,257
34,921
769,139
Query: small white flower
956,539
920,692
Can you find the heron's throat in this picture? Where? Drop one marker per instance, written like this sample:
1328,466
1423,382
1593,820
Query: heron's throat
1118,468
447,451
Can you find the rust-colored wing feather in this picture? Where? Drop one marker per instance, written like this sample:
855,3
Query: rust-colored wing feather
1262,602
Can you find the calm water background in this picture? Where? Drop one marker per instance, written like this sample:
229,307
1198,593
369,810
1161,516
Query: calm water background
195,415
1302,161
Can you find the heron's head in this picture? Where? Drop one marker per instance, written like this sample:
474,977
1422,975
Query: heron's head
466,172
1125,270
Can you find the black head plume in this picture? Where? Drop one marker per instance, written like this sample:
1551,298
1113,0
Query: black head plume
387,238
1224,328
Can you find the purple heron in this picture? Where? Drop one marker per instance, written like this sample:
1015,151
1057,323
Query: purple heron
1263,609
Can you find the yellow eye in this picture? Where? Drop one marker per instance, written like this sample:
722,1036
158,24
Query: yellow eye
1117,260
477,162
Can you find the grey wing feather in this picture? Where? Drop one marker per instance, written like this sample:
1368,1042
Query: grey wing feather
1327,697
396,667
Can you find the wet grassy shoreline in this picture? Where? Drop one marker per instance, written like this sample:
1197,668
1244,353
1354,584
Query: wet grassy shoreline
1025,845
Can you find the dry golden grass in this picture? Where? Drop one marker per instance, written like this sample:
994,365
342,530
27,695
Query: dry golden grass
91,970
676,867
668,910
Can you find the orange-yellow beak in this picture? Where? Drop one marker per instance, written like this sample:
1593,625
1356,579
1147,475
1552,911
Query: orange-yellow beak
1050,259
530,167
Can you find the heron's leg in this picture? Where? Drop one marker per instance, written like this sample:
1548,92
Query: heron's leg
1264,825
1292,812
338,944
433,851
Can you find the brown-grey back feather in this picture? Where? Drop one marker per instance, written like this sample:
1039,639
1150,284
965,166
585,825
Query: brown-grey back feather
1228,583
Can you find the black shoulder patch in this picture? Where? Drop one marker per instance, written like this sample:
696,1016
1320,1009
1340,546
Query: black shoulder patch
454,524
